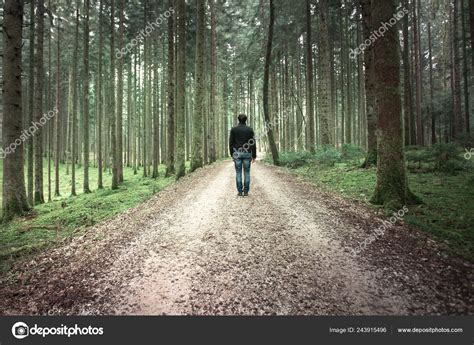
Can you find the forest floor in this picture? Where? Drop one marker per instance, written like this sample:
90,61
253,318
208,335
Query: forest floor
197,248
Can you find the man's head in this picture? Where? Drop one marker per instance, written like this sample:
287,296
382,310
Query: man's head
242,118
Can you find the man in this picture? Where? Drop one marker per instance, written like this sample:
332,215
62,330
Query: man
243,150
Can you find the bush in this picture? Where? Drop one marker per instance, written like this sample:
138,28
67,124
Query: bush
351,153
327,156
418,155
448,158
293,160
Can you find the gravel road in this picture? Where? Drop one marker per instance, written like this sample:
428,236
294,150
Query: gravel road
198,248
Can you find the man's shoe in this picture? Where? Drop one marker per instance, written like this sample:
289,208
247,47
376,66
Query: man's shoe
239,194
246,193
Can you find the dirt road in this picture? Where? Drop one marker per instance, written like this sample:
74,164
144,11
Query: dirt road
198,248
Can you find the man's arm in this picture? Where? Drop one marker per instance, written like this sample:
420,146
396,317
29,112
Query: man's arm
231,143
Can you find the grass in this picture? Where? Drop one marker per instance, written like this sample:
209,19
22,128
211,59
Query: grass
29,235
447,212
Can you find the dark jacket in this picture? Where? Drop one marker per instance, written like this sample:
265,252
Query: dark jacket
242,139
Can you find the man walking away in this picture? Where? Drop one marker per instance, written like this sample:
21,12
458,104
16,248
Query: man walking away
243,150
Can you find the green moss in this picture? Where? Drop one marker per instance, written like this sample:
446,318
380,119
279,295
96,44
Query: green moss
447,211
72,215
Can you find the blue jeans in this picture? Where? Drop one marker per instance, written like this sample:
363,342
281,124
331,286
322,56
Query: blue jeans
242,159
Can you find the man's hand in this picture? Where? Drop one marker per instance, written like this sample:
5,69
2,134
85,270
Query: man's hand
253,160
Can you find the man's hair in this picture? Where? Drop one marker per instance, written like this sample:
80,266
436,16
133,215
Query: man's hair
242,118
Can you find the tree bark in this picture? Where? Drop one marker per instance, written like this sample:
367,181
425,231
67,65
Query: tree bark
392,187
39,80
371,158
14,193
181,89
112,119
85,97
309,80
170,90
199,112
266,75
213,94
324,86
457,112
99,100
31,105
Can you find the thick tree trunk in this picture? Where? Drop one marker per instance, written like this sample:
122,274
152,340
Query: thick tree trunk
266,75
391,189
14,193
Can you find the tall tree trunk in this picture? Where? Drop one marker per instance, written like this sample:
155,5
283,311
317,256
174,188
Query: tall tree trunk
31,104
111,110
39,80
392,186
409,122
58,121
119,114
199,112
170,91
471,26
457,112
324,86
465,72
99,100
430,62
371,158
416,53
14,200
120,95
156,111
85,96
266,75
213,93
181,89
349,115
74,112
309,80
